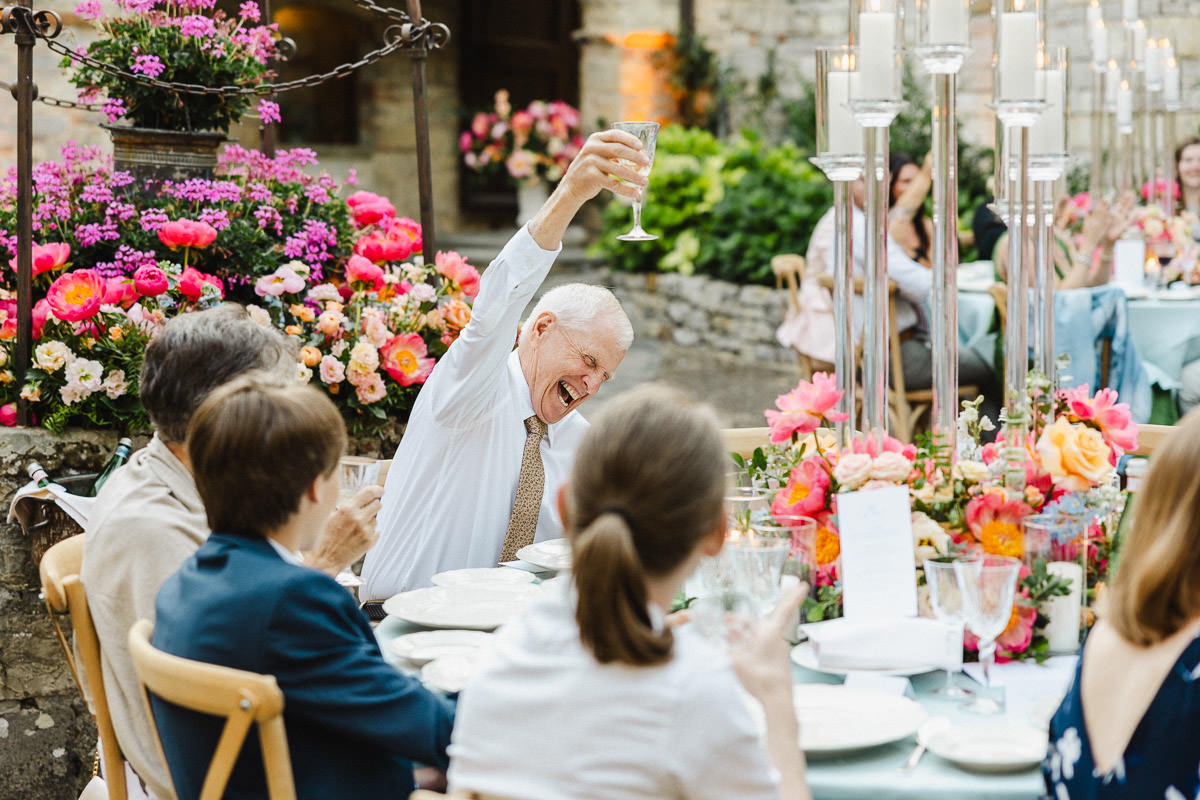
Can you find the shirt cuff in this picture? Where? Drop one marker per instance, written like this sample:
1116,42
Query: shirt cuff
525,242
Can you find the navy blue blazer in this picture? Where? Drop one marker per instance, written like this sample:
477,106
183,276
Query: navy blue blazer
354,723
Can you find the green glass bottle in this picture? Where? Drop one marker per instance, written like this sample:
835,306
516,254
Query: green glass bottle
119,457
38,474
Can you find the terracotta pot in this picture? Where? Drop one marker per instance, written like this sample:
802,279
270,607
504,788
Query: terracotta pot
150,154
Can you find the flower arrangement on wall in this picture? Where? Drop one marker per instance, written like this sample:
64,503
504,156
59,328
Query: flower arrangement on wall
536,143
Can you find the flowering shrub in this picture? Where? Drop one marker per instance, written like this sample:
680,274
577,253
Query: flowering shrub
185,42
341,276
1068,458
535,143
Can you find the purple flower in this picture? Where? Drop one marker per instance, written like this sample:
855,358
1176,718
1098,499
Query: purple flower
96,193
249,11
122,211
90,9
268,217
148,65
259,193
153,218
268,111
114,108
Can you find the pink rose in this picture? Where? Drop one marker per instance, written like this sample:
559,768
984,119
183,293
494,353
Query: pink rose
893,467
150,281
455,267
332,370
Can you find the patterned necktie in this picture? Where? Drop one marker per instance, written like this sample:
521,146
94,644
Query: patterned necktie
523,522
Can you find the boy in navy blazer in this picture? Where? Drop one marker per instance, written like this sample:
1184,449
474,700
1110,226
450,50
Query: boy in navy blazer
265,458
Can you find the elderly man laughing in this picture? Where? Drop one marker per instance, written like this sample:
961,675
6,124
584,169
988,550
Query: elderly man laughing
494,430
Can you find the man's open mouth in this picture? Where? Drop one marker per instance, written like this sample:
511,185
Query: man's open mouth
566,393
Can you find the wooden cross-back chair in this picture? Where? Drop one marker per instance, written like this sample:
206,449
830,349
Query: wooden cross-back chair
242,698
906,407
789,272
63,592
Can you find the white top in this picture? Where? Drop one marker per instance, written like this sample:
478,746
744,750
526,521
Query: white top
815,336
450,490
543,720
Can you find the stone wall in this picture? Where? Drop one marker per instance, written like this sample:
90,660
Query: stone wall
47,738
697,311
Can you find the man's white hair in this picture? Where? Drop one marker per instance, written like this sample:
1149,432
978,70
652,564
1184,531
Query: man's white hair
579,306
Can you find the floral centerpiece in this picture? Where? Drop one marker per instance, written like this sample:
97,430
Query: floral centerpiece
341,275
1068,458
536,143
184,42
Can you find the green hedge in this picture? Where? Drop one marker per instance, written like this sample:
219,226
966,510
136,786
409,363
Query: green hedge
719,208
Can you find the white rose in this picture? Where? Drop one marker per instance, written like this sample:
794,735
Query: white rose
891,467
974,471
52,355
852,470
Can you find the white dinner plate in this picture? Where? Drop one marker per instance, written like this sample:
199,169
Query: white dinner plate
425,646
552,554
834,719
463,607
483,577
449,674
989,747
804,656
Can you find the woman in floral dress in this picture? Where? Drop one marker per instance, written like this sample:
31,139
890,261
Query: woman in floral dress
1129,726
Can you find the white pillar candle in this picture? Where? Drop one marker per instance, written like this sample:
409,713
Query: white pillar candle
877,54
1099,42
1018,55
1046,136
1154,67
1171,82
947,22
1139,42
1124,105
844,134
1129,10
1112,81
1166,50
1094,13
1064,611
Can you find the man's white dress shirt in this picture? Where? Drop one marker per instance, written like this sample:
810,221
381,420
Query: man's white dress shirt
543,720
450,490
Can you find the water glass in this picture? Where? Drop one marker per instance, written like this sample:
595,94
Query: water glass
801,535
354,473
723,618
946,600
755,564
988,585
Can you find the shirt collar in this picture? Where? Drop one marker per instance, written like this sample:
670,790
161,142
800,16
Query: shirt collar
284,553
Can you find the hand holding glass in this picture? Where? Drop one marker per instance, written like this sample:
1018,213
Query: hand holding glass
647,134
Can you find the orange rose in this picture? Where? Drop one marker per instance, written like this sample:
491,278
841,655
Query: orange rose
456,314
310,355
1074,455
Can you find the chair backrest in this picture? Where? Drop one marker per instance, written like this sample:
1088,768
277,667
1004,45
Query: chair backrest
1150,437
241,697
789,271
744,441
63,592
425,794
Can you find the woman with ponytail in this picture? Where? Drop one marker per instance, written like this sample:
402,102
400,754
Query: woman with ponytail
591,694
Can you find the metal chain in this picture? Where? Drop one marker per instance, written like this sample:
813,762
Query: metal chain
54,101
430,35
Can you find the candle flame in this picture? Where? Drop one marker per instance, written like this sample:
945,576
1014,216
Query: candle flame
1101,25
1094,4
1172,62
1164,42
1124,85
1112,65
1019,5
875,6
1041,59
1150,43
1140,24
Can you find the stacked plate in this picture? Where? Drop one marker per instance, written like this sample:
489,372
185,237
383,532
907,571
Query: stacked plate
464,607
836,720
448,659
552,554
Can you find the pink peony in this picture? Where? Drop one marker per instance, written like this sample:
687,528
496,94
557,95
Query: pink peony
46,257
1114,419
455,267
187,233
464,141
362,270
150,281
806,489
995,522
8,415
76,296
41,313
370,390
397,240
192,280
284,280
404,358
367,208
801,410
119,292
522,121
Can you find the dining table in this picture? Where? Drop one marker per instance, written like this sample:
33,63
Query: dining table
875,771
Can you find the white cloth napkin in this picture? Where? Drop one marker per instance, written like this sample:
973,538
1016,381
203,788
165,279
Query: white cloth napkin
78,508
882,644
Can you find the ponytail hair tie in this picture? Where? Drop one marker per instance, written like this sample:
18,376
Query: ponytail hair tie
620,511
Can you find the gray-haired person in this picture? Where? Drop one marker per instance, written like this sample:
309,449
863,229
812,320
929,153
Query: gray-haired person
148,519
493,432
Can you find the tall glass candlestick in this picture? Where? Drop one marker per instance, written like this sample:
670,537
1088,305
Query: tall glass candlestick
875,99
840,157
1048,159
942,47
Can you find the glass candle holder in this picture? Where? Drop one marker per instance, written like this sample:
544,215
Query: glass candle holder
1018,36
839,136
943,34
1048,143
877,30
1056,544
1172,89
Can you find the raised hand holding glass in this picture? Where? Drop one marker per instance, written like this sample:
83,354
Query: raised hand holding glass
647,134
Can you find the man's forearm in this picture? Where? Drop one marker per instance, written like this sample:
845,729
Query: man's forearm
550,222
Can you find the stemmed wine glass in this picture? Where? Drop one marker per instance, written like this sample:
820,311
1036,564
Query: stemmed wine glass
946,600
647,134
988,584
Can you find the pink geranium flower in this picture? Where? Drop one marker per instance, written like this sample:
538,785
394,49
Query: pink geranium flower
455,267
46,257
806,490
76,296
404,358
802,410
